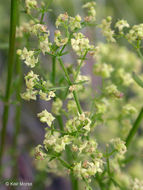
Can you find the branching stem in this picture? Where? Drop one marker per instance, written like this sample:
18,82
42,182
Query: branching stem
70,83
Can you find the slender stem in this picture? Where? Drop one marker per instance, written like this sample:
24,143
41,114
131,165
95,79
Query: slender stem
139,117
134,128
17,115
64,163
11,55
65,71
70,83
53,70
108,168
117,184
77,102
139,53
80,65
74,181
42,17
60,121
43,13
38,86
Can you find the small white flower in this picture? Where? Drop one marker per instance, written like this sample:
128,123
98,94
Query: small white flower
28,57
121,24
62,19
29,94
31,79
46,117
119,145
106,29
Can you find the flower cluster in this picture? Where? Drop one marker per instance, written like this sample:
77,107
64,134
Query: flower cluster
38,28
45,44
24,28
78,123
119,145
129,109
137,184
72,22
70,140
46,96
125,77
28,57
59,40
103,70
29,94
75,22
62,20
30,4
56,143
135,33
91,11
31,79
112,90
87,169
46,117
106,29
121,24
81,45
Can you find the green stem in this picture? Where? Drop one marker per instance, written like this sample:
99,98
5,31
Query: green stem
65,71
11,55
53,70
139,53
77,102
80,65
64,163
134,128
139,117
117,184
42,17
60,121
108,168
74,181
70,83
40,87
45,10
18,106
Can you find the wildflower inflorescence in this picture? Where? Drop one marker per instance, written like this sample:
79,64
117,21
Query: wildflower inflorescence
70,139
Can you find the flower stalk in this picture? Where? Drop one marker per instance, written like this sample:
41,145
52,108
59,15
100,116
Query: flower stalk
18,105
11,57
70,83
53,70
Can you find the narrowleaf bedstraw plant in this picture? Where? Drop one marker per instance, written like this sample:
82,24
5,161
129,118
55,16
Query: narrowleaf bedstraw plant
74,143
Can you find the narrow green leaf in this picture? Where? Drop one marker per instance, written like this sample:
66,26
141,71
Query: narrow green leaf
137,79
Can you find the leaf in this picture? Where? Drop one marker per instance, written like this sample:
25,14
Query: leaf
137,79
